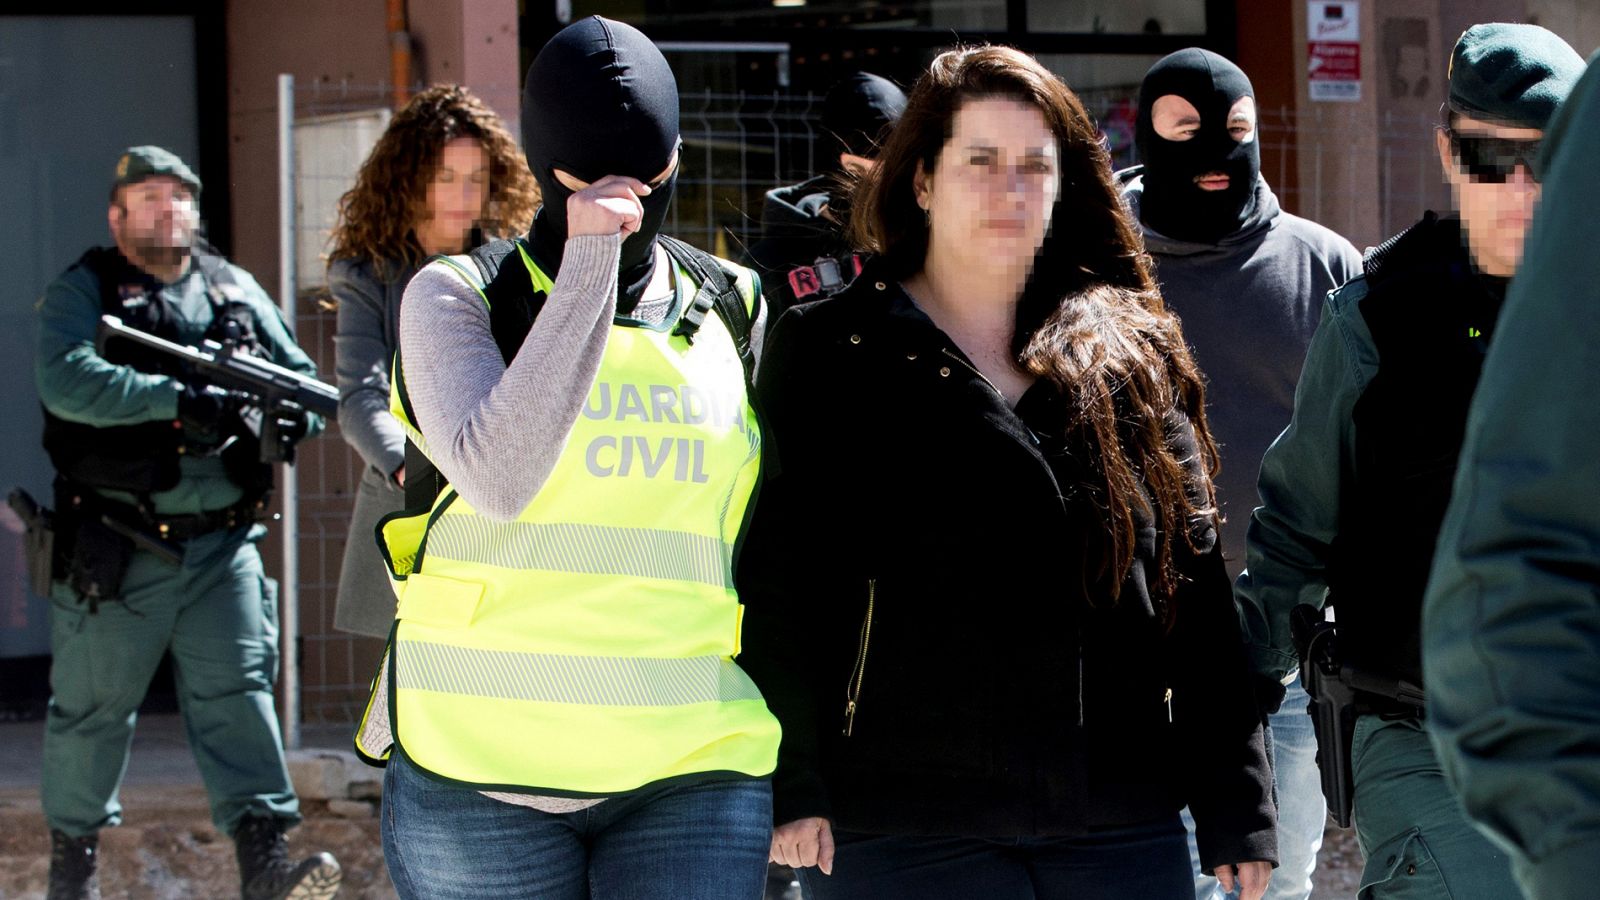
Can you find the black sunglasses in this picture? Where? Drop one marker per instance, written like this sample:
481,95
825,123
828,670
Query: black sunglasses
1491,159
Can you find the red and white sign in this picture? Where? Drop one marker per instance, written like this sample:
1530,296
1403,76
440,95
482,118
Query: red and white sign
1333,33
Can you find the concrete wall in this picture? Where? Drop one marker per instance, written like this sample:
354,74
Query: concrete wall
1578,21
1337,143
334,45
1369,169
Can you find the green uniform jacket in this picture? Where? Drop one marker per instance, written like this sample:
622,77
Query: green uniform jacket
76,384
1290,539
1512,618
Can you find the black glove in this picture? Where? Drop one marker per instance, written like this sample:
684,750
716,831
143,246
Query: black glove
203,410
1268,692
283,426
292,419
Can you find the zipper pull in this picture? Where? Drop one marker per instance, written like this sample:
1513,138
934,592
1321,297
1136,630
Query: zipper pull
852,689
1168,700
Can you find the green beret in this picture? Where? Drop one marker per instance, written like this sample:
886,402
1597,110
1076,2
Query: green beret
138,163
1511,74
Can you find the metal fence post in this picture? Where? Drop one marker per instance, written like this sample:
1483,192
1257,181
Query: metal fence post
289,590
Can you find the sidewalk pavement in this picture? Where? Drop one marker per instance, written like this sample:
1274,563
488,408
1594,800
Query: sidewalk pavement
167,846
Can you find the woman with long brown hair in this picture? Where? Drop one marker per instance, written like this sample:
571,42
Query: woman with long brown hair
985,596
445,168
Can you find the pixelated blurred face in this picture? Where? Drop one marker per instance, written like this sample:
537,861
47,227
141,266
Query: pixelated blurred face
1490,171
455,196
154,218
1176,119
993,186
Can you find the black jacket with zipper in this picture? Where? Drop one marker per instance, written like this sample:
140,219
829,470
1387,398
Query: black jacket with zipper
915,581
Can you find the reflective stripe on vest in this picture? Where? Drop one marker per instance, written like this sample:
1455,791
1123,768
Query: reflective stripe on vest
592,680
586,648
577,548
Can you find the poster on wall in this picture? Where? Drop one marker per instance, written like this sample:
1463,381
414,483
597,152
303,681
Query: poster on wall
1333,38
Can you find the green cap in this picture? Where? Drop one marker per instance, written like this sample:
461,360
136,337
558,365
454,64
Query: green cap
138,163
1512,74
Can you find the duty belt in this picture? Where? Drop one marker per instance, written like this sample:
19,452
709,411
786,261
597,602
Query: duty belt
179,528
193,525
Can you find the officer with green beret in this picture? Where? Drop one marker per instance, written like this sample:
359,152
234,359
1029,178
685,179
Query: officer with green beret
159,495
1354,491
1511,626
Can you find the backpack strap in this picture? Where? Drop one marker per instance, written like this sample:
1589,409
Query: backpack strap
488,257
717,292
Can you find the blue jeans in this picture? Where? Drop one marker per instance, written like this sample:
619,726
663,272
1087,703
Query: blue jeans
704,840
1144,861
1302,811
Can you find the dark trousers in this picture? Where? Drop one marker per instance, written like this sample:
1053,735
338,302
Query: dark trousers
1141,862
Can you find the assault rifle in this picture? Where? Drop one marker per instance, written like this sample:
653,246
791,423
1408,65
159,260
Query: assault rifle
1339,693
270,388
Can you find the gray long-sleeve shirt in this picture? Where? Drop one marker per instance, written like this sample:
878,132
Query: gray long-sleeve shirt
475,411
1249,305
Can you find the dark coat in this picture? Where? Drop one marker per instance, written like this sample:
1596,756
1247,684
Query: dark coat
801,225
1001,692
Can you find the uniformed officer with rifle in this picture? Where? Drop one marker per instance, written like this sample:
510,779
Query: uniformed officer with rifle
163,476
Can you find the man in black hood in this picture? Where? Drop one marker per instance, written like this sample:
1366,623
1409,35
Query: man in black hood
1247,280
804,254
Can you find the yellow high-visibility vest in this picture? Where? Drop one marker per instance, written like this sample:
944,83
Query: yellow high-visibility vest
587,647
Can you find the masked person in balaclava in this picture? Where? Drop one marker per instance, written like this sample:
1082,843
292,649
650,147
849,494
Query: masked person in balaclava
1201,165
803,254
622,121
1354,492
1247,280
567,620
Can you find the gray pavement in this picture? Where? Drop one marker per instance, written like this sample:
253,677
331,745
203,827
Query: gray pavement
160,751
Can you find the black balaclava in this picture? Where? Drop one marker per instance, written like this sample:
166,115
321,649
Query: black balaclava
1172,203
855,113
600,100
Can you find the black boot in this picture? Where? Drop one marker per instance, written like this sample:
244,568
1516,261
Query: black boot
72,865
265,872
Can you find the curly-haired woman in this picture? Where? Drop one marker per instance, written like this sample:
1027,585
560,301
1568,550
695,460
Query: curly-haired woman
445,166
